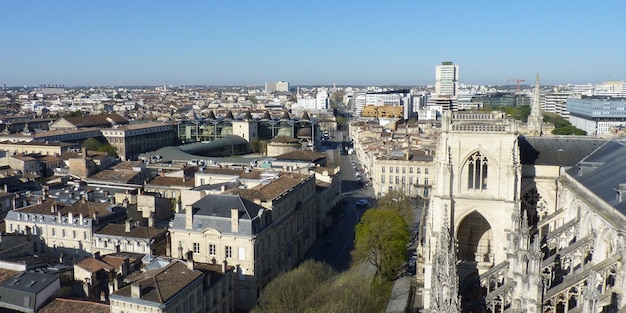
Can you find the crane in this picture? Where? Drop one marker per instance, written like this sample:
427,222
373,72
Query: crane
517,82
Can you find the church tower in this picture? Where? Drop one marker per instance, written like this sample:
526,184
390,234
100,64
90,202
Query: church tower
535,119
477,185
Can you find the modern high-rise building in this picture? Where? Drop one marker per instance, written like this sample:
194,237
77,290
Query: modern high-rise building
447,79
279,86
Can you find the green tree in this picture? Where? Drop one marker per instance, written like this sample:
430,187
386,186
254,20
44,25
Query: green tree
569,130
289,291
92,144
398,201
109,149
381,239
252,99
255,145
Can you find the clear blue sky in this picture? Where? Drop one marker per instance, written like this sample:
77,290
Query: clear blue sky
361,42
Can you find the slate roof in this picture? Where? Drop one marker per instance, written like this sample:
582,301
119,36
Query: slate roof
221,205
87,209
161,285
172,181
603,171
557,150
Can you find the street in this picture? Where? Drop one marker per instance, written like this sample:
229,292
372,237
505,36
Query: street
335,246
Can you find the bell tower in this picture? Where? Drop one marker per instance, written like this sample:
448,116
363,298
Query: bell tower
477,183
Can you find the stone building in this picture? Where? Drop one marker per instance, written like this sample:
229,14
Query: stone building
262,231
537,222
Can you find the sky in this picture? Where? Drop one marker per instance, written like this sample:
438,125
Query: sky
248,43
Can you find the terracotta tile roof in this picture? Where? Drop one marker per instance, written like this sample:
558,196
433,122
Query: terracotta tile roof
76,306
93,265
162,284
95,120
321,169
116,176
87,209
238,172
5,274
301,155
116,259
273,189
172,181
126,165
135,231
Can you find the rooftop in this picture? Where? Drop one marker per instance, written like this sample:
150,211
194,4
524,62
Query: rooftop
160,285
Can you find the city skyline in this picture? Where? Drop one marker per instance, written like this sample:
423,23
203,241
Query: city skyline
347,43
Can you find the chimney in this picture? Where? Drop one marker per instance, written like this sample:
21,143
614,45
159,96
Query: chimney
135,290
224,266
70,218
80,219
84,150
151,220
95,216
53,208
190,260
188,217
125,267
96,255
90,195
234,220
223,188
127,226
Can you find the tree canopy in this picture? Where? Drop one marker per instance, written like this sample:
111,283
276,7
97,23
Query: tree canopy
381,239
95,145
399,201
288,292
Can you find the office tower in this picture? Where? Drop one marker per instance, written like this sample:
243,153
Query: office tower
446,79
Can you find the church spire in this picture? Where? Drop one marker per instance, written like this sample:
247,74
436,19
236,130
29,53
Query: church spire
445,281
535,119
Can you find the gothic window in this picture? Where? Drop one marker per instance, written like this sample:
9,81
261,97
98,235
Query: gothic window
477,172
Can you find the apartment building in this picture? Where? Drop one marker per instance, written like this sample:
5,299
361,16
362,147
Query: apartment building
131,140
263,231
408,171
63,233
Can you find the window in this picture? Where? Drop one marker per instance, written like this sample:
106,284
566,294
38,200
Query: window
404,170
419,170
382,169
397,169
54,232
63,233
74,234
229,252
390,179
403,180
397,179
411,180
426,181
382,179
410,170
196,247
426,171
477,172
242,253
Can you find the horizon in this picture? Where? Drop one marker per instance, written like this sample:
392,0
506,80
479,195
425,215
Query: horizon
348,43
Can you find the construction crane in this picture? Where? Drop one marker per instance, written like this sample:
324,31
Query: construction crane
517,82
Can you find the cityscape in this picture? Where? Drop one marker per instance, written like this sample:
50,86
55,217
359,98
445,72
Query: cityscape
296,157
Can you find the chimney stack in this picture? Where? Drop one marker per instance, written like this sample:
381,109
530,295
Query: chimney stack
190,260
135,290
127,226
224,266
234,220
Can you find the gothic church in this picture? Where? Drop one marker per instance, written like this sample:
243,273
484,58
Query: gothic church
523,223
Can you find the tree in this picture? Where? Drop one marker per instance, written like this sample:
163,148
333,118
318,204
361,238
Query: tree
109,149
381,239
255,144
397,200
288,292
92,144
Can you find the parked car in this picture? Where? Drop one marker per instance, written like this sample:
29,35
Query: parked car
362,202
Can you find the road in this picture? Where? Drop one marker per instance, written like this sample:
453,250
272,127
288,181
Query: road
334,247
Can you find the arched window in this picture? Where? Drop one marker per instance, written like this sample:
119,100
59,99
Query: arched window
477,172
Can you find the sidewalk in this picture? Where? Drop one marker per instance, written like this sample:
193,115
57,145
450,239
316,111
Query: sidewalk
402,296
